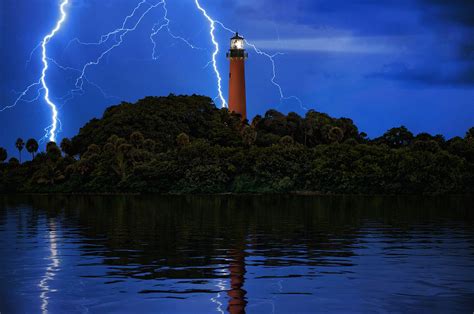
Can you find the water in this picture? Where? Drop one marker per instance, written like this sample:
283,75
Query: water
258,254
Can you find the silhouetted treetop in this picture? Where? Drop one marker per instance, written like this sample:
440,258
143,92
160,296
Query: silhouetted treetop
162,119
184,144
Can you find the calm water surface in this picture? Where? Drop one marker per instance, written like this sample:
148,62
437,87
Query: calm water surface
254,254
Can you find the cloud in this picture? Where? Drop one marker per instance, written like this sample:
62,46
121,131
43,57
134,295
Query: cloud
434,37
346,44
450,61
453,75
459,12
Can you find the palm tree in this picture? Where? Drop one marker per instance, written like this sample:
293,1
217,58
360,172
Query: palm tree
470,133
32,147
19,145
3,155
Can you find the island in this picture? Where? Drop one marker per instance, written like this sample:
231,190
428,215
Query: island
184,144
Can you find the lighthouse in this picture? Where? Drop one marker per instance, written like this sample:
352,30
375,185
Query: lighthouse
237,57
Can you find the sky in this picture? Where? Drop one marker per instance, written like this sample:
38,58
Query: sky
381,63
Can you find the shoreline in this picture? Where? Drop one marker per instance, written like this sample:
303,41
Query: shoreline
292,193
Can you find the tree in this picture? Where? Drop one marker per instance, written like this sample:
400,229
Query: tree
397,137
3,154
256,120
52,151
275,122
19,145
146,147
13,162
66,146
163,118
293,125
470,133
32,147
122,160
137,139
113,139
335,134
420,145
287,141
149,145
92,150
248,136
182,139
307,130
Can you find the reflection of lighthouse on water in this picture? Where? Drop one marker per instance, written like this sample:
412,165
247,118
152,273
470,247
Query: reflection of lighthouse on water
234,285
236,292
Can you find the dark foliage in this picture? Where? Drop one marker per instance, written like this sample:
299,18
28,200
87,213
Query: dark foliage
19,144
184,144
32,147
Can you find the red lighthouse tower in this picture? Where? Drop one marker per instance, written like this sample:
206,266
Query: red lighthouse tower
237,57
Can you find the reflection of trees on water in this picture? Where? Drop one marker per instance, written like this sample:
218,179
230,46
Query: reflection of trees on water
190,233
191,237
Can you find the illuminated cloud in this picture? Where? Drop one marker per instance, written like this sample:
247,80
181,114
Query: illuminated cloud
347,44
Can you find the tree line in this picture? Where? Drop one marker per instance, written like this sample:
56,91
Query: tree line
184,144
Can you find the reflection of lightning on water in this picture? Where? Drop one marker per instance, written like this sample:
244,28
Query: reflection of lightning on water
52,268
220,284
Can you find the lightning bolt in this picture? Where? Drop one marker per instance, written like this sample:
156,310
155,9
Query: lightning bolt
23,94
117,38
51,130
105,38
42,83
70,95
166,25
271,58
212,25
274,74
118,35
122,31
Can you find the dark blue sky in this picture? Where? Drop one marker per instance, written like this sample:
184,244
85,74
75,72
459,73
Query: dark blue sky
381,63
